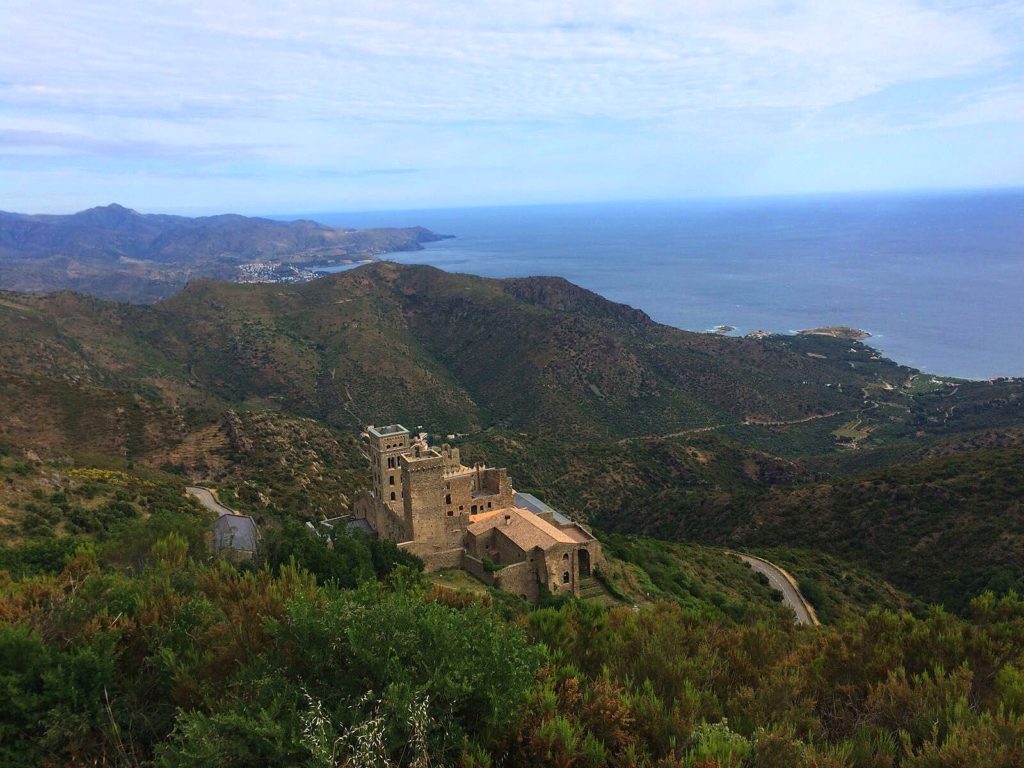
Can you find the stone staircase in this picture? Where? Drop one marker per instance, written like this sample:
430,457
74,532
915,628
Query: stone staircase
592,589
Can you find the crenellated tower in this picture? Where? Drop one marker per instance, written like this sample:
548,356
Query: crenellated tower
422,470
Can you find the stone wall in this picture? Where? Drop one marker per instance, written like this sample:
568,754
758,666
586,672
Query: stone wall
475,566
520,579
557,561
505,551
385,523
452,459
493,483
459,494
593,548
434,559
422,480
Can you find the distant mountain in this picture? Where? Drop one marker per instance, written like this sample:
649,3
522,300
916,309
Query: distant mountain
114,252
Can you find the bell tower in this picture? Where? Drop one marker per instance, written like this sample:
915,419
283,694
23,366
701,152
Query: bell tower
387,444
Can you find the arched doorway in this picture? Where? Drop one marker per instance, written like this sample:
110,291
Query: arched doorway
584,558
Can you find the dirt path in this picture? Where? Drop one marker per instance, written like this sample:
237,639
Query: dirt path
744,423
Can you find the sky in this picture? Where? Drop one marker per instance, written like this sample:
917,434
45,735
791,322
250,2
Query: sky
281,107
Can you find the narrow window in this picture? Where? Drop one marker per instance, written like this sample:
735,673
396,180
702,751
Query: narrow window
488,505
391,479
472,510
392,495
565,577
447,498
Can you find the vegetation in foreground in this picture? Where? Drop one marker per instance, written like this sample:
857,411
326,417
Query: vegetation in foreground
173,661
122,644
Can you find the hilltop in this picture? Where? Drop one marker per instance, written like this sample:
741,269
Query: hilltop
116,253
414,344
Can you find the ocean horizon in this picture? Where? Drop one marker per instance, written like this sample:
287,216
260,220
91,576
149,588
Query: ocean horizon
936,279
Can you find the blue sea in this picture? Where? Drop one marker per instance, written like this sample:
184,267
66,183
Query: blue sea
937,279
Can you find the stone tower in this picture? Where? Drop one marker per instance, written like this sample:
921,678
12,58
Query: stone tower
422,480
386,447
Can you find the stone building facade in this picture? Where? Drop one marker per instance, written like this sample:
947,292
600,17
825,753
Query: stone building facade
453,516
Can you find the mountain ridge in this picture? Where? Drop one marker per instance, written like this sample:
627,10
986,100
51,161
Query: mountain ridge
118,253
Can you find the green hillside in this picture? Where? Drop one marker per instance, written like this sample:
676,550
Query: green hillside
808,441
880,489
451,351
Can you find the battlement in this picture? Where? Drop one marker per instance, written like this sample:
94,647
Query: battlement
420,459
391,429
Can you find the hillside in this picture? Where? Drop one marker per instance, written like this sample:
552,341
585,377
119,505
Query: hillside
121,643
943,528
454,353
116,253
632,425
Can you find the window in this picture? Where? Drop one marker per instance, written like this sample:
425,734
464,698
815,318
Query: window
391,479
488,505
472,510
391,462
565,556
392,495
450,513
565,577
447,498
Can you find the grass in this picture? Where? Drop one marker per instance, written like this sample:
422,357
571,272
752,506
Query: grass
701,579
458,580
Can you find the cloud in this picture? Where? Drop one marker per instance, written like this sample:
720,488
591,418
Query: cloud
73,144
465,60
340,89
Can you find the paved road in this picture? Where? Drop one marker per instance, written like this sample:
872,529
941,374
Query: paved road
790,595
204,497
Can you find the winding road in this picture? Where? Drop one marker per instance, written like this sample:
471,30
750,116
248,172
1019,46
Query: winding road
208,500
778,578
784,583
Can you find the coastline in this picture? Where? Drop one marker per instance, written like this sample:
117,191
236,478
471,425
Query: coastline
849,333
935,280
837,332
